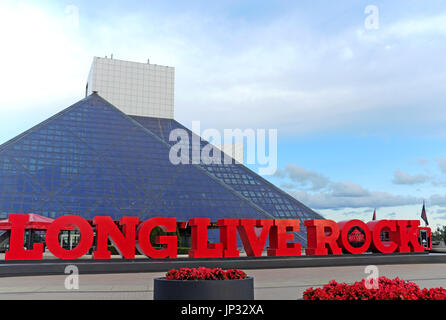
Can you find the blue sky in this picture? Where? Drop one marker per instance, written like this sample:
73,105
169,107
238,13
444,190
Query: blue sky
359,113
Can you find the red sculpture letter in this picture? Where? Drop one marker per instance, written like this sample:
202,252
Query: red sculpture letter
144,231
124,243
321,234
199,241
376,227
16,251
279,237
407,236
361,234
228,236
86,236
252,243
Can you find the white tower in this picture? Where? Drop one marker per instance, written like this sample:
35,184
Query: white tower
139,89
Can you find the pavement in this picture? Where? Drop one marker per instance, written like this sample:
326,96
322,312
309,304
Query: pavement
269,284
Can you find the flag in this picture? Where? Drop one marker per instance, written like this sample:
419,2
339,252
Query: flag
374,215
423,215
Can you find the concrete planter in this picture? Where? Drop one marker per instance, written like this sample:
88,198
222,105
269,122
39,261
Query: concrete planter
238,289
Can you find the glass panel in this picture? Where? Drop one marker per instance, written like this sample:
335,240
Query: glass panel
91,159
246,183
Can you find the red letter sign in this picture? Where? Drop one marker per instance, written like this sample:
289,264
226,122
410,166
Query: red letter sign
228,236
124,244
16,251
279,237
86,237
144,231
355,236
199,241
318,239
254,245
377,227
407,234
323,237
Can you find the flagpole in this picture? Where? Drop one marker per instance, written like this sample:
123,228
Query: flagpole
424,215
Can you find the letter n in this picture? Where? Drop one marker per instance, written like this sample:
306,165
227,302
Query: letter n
123,242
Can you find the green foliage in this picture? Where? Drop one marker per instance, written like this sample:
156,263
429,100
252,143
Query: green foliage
180,250
157,231
439,234
183,250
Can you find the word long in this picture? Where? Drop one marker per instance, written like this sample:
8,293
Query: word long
324,237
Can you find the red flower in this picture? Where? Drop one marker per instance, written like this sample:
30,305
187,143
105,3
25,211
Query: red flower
235,274
203,273
395,289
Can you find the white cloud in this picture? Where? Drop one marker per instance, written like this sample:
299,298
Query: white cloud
334,82
391,215
347,54
278,74
401,177
348,189
442,164
303,177
322,193
374,199
431,25
287,185
438,200
41,57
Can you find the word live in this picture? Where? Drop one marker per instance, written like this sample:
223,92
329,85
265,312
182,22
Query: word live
324,237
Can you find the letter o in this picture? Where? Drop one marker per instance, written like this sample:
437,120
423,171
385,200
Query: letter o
345,227
86,237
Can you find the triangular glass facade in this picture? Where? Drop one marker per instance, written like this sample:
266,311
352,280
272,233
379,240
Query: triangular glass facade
238,177
92,159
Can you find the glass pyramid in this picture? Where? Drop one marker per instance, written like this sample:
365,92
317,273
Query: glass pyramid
92,159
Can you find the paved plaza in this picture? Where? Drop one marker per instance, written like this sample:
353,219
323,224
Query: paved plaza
283,284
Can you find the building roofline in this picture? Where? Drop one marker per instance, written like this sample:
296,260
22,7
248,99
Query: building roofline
134,62
196,166
39,125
